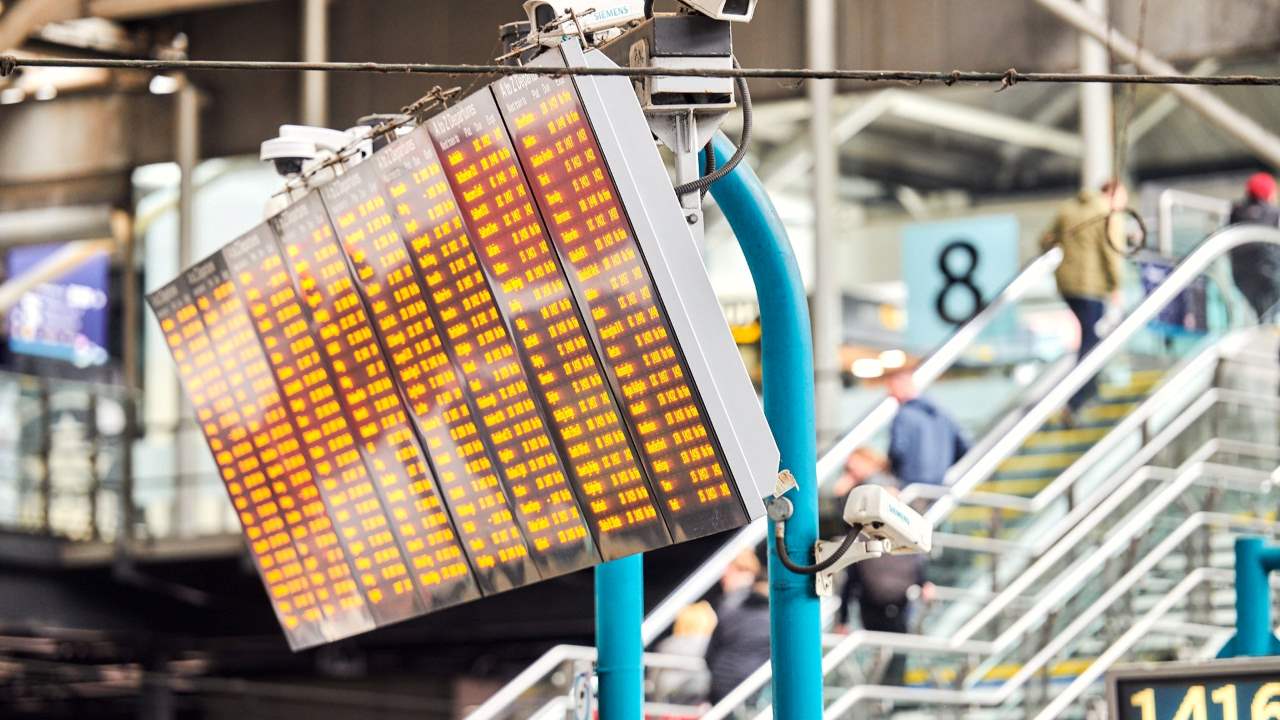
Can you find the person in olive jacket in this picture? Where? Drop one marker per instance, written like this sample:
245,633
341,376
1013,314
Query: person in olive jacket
1091,233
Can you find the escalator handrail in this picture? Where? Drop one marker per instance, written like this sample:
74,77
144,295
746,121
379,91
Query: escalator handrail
998,696
990,454
1229,348
1079,624
1190,471
1041,542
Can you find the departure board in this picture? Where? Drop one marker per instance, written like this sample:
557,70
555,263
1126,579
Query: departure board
274,551
399,509
533,292
457,368
576,194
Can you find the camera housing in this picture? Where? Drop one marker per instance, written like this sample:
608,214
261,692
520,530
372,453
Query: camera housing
886,518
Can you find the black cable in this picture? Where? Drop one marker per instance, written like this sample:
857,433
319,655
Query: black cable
1008,78
709,163
785,558
706,181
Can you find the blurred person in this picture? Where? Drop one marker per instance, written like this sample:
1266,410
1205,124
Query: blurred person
689,638
1255,267
863,465
1092,236
740,643
924,442
881,587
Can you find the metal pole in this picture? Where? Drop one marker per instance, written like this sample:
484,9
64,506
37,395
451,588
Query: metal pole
619,650
315,48
827,308
1096,126
46,454
129,374
786,348
1234,122
187,152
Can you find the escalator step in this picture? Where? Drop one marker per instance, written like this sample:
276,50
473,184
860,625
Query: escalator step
1019,464
1068,438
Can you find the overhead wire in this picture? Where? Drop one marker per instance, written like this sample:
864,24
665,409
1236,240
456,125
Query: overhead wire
1006,78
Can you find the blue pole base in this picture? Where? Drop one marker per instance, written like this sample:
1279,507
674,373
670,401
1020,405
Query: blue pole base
619,591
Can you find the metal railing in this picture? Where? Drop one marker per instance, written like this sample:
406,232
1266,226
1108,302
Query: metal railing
1009,688
557,656
1051,546
1071,580
1058,595
988,455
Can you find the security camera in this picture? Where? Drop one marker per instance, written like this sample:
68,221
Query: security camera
308,157
551,21
731,10
886,518
879,524
299,144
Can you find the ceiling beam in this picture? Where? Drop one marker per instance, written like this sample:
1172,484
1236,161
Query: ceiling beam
131,9
927,110
1217,111
27,16
1163,106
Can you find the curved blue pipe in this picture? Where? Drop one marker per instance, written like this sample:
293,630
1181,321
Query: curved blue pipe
787,359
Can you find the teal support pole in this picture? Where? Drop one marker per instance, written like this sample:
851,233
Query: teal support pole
787,359
619,650
1255,561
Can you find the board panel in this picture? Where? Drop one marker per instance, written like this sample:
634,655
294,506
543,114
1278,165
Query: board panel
578,199
533,292
217,413
550,527
416,550
470,327
282,479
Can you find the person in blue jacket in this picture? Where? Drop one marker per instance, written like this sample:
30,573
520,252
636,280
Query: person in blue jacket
924,442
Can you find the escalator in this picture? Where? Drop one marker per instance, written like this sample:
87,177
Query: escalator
1194,410
1028,561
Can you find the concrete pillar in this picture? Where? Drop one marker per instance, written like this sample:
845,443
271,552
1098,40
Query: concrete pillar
315,48
187,153
827,315
1097,129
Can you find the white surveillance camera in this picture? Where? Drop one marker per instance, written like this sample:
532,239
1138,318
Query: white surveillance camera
886,518
298,144
731,10
594,16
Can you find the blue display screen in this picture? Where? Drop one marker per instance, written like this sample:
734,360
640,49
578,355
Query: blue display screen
64,318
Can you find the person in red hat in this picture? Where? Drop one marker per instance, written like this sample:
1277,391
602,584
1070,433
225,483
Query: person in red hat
1256,267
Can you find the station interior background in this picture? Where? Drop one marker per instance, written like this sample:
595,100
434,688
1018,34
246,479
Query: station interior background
120,558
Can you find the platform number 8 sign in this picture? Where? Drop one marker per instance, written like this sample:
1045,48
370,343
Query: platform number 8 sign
958,276
952,269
